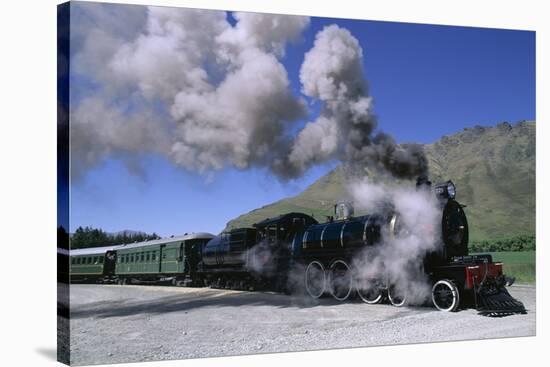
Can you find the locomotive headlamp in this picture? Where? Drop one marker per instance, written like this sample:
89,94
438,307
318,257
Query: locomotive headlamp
445,190
451,190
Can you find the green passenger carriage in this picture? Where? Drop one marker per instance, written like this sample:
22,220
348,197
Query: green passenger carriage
93,264
168,259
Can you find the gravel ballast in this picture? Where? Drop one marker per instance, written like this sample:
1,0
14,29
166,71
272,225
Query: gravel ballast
114,324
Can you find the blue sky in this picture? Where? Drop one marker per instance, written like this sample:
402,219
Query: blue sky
427,81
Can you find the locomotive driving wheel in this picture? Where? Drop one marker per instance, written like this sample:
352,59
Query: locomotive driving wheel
370,291
340,280
397,296
315,280
445,296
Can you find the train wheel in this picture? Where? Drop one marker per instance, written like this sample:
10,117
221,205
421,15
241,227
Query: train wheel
370,291
397,297
445,296
315,280
340,280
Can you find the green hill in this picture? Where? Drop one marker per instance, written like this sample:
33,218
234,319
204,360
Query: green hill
492,167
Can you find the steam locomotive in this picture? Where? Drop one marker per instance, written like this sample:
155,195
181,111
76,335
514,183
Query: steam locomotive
293,253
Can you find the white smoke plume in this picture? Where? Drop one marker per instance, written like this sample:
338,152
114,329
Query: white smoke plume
205,93
398,259
182,83
261,261
332,72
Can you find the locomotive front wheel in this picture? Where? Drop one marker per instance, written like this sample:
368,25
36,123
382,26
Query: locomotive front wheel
315,280
445,296
370,293
397,297
340,280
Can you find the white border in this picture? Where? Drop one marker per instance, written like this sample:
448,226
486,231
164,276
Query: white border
28,31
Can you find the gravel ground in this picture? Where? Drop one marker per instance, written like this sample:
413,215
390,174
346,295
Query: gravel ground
114,324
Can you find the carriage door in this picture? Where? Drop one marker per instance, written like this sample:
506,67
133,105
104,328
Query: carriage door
161,254
181,258
109,263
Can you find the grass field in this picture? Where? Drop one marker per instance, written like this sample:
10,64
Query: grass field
518,264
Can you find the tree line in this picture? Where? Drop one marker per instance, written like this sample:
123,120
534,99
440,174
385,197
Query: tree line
96,237
85,237
525,242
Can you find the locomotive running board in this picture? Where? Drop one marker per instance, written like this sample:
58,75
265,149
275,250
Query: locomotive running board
498,304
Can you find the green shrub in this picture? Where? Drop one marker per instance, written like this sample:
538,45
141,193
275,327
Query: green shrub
525,242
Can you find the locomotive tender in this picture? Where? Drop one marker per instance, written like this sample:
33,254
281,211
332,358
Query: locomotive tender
277,251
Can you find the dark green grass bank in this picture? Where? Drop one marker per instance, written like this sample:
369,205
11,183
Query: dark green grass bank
518,264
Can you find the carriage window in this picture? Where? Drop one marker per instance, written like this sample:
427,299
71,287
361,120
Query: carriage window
78,260
148,257
132,258
142,256
73,261
101,259
154,256
95,260
88,260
